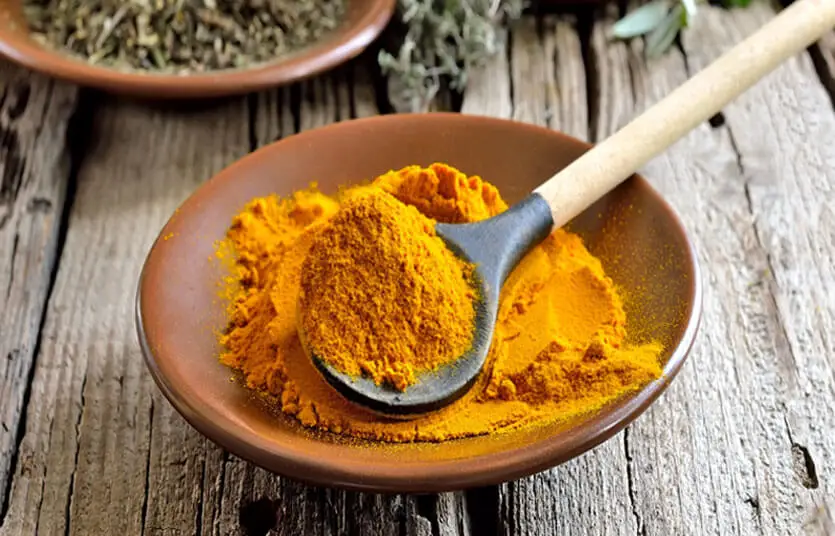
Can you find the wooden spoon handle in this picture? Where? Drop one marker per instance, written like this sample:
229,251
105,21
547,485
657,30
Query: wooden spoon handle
610,162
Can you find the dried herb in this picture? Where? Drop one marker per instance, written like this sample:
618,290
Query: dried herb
181,35
443,40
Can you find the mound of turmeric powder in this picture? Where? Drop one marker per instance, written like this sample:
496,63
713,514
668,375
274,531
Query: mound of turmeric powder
382,295
558,351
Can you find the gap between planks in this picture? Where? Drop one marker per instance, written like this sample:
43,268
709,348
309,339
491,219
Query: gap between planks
34,178
823,55
751,191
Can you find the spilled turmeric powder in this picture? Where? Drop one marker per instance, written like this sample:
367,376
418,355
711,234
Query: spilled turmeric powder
558,351
382,295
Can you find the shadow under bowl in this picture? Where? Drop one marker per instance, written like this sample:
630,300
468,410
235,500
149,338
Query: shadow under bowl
637,236
363,22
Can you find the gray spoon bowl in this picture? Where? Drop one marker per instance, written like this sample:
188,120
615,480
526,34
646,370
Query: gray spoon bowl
495,246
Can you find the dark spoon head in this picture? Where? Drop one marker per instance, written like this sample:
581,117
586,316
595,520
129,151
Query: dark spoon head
495,246
433,389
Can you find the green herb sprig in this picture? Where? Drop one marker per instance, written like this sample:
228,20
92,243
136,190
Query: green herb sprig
444,40
660,21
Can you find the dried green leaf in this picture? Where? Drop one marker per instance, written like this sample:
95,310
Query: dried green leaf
642,20
660,38
442,40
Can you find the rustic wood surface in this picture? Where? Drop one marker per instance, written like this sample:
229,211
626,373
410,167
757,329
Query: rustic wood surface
742,443
34,176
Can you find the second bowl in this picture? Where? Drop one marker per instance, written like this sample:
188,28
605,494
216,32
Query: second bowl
364,21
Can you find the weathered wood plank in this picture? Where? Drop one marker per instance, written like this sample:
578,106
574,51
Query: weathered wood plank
96,422
548,76
676,473
718,454
488,89
783,133
34,174
344,93
184,476
590,494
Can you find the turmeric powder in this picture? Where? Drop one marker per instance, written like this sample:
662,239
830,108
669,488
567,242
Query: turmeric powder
558,351
382,295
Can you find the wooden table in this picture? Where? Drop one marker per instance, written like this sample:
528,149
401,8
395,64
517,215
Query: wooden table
743,442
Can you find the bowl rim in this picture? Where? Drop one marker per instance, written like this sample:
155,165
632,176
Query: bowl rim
304,63
481,470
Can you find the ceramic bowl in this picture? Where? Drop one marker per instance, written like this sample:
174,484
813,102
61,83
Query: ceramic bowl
364,22
638,237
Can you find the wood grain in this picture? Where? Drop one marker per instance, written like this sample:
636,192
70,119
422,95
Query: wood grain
548,76
34,174
488,90
104,452
731,447
783,135
98,431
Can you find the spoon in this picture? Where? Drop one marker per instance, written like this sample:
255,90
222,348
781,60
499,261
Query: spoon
496,245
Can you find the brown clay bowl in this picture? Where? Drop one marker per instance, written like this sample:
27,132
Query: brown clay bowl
364,22
636,234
